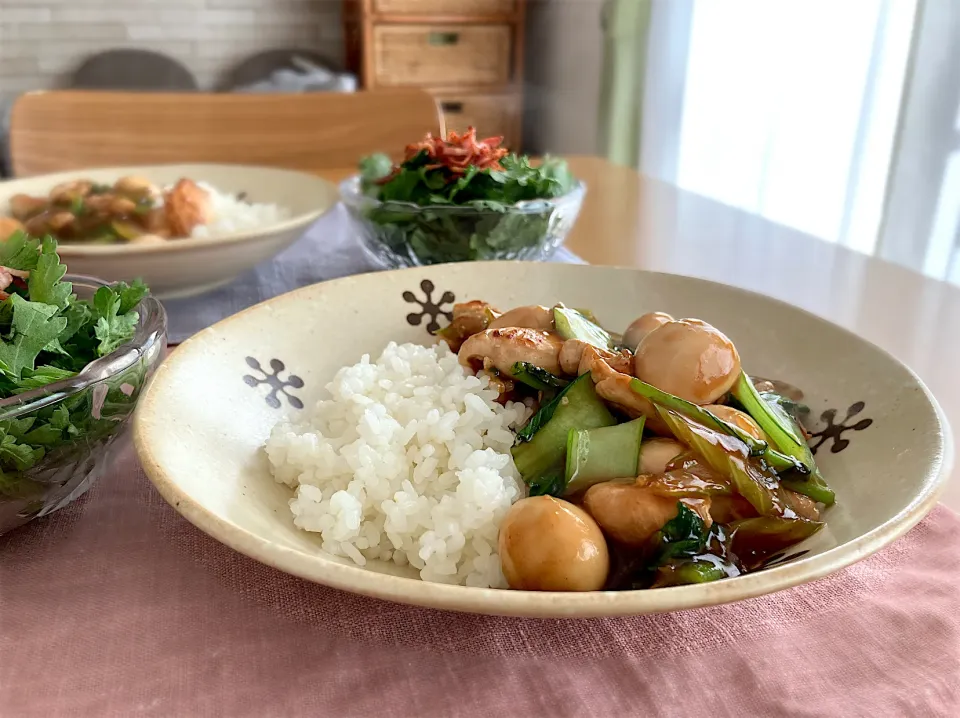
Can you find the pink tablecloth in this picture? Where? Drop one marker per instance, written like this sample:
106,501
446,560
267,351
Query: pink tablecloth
118,607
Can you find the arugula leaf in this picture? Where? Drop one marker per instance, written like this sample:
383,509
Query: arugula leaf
21,456
130,294
16,427
34,327
19,251
44,284
41,376
112,327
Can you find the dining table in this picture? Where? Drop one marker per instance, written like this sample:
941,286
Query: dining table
116,605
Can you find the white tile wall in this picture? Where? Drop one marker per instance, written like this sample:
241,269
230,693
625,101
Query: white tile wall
43,41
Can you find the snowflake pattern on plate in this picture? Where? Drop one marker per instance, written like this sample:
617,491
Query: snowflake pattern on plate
833,431
278,385
429,307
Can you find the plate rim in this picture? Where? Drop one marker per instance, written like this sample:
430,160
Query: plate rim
533,604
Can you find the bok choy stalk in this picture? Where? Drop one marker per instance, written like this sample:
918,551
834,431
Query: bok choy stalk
541,455
785,434
597,455
728,456
757,538
777,461
573,324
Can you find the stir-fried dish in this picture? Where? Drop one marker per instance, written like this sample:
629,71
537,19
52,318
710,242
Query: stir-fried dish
133,209
652,459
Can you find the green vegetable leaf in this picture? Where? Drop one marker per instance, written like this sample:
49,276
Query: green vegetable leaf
130,294
551,483
45,285
113,328
19,251
375,167
41,376
34,327
684,535
536,377
19,456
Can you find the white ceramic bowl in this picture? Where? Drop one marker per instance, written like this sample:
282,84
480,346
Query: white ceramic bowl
885,448
185,267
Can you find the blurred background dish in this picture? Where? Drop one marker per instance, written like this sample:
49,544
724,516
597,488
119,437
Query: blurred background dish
461,198
183,267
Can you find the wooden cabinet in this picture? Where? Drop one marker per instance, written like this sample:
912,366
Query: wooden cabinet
467,8
467,53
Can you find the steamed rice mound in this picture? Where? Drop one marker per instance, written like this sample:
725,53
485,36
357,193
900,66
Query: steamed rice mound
408,461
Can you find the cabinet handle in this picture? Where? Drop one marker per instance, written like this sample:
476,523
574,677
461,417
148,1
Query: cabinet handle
452,107
443,38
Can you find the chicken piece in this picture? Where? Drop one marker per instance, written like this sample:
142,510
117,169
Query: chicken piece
803,506
9,225
60,221
38,225
502,348
187,205
136,188
110,205
532,317
631,513
658,453
572,358
469,318
23,206
69,192
733,507
155,222
614,387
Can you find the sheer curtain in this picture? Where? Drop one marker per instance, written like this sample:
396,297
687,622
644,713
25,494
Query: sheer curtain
786,108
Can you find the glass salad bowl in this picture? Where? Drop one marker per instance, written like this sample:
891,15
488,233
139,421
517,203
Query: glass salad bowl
402,234
79,419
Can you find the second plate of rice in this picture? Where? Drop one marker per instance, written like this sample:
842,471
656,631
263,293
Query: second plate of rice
256,212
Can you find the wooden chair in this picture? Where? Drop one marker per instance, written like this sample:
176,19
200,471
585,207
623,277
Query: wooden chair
67,130
133,70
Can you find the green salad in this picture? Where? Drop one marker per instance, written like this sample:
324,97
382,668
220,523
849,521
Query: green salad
460,199
48,334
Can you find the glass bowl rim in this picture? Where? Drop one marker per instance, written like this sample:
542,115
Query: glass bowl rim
351,196
150,330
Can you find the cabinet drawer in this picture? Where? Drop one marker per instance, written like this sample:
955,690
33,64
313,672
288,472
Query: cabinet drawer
444,7
415,55
492,115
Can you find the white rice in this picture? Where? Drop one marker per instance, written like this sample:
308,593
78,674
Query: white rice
233,215
409,462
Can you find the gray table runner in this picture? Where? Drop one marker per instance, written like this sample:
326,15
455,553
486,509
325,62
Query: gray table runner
326,251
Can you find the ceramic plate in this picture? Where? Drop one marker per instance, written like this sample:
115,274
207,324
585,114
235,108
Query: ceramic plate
880,439
185,267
